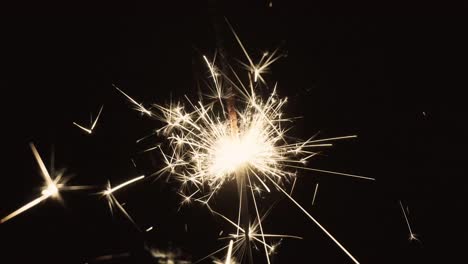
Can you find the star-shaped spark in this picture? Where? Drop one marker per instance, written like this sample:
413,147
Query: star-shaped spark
54,182
262,66
112,200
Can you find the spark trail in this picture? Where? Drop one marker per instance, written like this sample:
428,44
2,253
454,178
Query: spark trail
412,236
138,106
113,202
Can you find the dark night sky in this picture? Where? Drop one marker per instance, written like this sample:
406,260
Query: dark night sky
373,76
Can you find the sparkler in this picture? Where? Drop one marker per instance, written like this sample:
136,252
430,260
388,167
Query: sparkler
216,142
53,185
90,130
212,143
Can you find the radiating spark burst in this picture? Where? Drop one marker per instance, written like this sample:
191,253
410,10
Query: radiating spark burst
209,146
93,123
112,200
54,183
204,152
412,236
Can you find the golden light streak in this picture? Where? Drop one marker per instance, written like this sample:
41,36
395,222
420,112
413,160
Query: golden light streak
412,236
113,202
44,172
315,221
293,185
87,130
25,207
212,254
259,222
315,193
139,107
228,256
334,172
120,186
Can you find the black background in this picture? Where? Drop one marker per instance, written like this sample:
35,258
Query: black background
396,81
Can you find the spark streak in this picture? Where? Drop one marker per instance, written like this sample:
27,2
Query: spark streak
315,221
412,236
315,193
113,202
25,207
139,107
228,256
293,185
90,130
120,186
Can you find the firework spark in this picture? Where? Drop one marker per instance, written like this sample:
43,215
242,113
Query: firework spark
412,236
138,106
112,200
110,190
90,130
53,185
262,66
